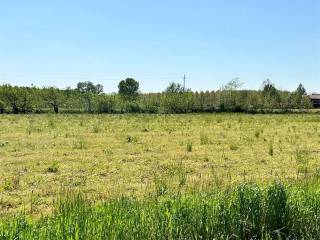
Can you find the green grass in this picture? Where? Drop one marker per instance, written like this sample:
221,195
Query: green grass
108,156
246,211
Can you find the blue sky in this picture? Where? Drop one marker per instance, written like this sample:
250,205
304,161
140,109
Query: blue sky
58,43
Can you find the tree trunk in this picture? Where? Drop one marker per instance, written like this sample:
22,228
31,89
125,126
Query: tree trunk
56,108
15,109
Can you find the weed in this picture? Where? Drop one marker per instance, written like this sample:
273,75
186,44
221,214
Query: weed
246,211
145,130
270,150
302,156
80,144
12,183
3,144
51,123
189,146
257,134
234,147
182,177
132,139
53,168
108,151
161,186
204,139
96,129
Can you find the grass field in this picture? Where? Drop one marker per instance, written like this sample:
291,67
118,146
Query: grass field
108,156
248,211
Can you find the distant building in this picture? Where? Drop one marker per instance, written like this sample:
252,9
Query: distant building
315,99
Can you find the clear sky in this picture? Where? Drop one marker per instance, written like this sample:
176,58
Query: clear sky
61,42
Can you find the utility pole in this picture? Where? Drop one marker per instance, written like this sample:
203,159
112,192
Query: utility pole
184,82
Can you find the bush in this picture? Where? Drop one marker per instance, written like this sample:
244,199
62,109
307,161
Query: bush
106,104
53,168
132,107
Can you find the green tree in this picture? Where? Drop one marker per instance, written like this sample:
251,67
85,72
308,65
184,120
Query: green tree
129,89
18,98
272,98
10,96
268,87
229,99
106,104
52,97
176,88
296,98
88,92
150,102
301,90
89,87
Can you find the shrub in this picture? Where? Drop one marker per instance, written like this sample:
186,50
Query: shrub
132,107
53,168
189,147
106,104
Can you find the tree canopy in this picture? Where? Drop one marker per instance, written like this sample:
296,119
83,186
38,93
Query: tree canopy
89,87
88,97
129,88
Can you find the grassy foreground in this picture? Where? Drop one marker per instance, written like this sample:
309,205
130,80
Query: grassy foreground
109,156
160,176
244,212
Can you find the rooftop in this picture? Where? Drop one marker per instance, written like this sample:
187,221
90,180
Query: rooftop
314,96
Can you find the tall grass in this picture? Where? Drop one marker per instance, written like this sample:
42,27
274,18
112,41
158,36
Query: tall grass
247,211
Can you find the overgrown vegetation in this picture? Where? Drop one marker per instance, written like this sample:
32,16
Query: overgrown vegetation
247,211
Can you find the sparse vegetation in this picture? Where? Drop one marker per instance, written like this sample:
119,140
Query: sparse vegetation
200,163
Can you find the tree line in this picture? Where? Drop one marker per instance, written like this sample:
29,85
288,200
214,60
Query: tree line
90,98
